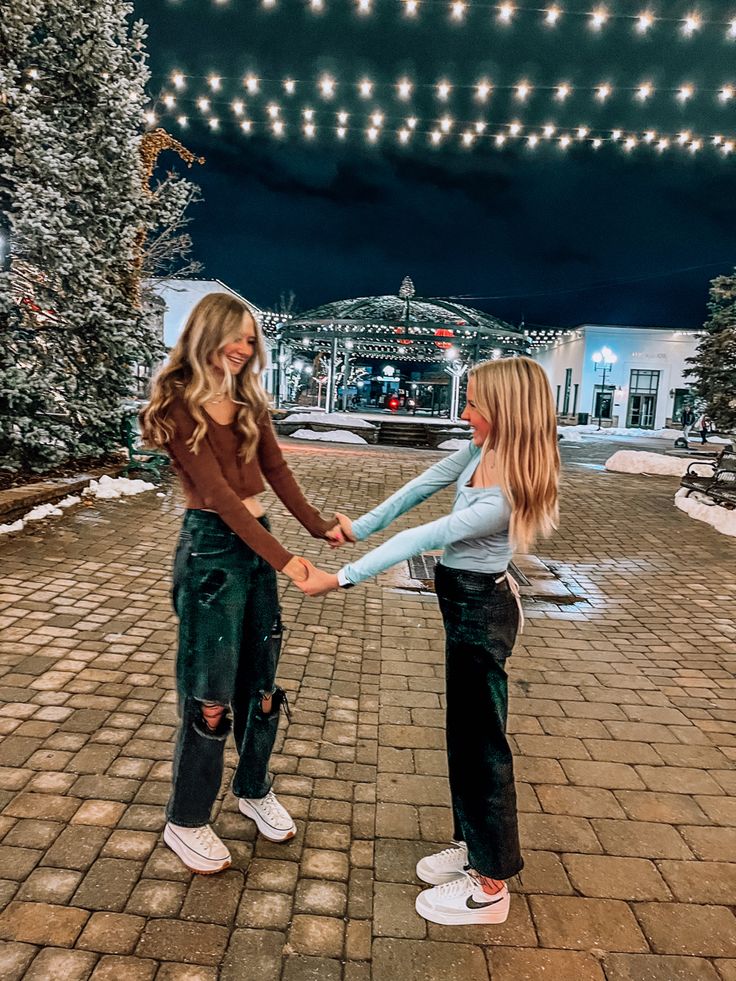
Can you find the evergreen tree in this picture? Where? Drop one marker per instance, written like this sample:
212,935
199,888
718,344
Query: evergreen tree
73,76
714,366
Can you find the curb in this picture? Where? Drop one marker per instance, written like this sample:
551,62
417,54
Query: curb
15,501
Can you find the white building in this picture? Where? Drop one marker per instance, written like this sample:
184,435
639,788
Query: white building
180,296
644,386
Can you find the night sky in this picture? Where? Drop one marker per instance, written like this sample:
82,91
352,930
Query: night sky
548,236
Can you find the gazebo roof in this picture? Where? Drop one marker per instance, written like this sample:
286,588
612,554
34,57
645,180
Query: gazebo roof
407,327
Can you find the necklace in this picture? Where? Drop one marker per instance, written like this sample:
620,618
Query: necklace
216,399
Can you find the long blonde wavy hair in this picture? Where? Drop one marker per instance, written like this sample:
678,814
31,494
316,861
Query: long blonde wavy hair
515,397
218,319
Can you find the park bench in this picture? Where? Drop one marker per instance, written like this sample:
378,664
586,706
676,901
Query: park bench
140,458
720,485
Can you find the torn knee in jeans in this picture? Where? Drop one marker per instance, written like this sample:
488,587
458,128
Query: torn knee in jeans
269,703
213,720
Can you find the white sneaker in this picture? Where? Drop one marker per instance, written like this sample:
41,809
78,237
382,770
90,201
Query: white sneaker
272,819
443,866
199,848
463,901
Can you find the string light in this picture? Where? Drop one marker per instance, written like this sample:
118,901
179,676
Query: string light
214,82
549,131
251,84
685,92
443,90
278,126
342,117
327,86
726,93
238,106
684,137
182,121
404,134
365,88
616,134
404,88
644,91
435,136
663,145
552,15
364,6
515,128
273,110
598,18
341,132
695,146
732,29
644,21
169,101
468,138
532,140
308,114
597,143
506,12
565,142
247,126
203,104
562,92
268,4
482,90
289,86
522,91
309,130
412,122
177,80
411,7
480,126
150,118
728,147
317,6
582,132
602,92
691,24
649,136
446,124
630,143
377,119
214,123
500,139
457,9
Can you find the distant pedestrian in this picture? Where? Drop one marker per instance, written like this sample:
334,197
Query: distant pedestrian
506,496
705,425
687,420
209,411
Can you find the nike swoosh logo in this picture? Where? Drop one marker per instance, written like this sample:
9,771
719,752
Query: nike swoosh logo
471,903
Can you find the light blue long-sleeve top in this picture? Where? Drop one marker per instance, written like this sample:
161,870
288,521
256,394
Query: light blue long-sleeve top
475,535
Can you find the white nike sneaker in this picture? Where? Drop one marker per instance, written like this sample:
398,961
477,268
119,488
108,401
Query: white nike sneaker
199,848
272,819
463,901
443,866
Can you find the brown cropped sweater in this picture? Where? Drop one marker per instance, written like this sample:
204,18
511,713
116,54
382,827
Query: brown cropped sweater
217,478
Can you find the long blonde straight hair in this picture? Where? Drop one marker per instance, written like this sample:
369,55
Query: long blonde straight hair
218,319
515,397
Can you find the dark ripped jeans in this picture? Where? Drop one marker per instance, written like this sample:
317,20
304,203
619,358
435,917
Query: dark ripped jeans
481,619
229,644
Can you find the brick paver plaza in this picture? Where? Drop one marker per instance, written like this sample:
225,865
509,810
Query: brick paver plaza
622,714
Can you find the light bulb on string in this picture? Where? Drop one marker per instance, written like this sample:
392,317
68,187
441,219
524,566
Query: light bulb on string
443,90
251,84
480,126
552,15
316,6
327,86
644,21
602,92
695,146
435,136
522,91
342,117
404,134
182,121
598,18
150,117
468,136
169,101
365,88
684,137
506,12
237,106
364,7
372,134
644,91
289,86
616,135
731,33
649,136
597,143
446,124
565,142
411,122
684,93
273,110
404,89
726,93
278,127
178,80
562,91
377,119
663,144
458,9
341,132
728,147
308,114
500,139
203,104
411,7
214,82
532,140
630,143
515,128
691,24
268,4
717,140
549,131
309,130
582,132
482,90
213,122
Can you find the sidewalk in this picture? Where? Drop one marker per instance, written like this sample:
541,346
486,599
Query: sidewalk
623,712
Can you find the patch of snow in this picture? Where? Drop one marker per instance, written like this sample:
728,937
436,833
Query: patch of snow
42,511
570,434
331,419
592,430
333,436
635,461
14,526
453,444
695,505
69,502
111,488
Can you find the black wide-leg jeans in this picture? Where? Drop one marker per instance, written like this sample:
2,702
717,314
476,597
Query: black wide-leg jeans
481,619
230,636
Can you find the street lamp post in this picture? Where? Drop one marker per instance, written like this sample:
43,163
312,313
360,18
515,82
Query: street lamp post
604,361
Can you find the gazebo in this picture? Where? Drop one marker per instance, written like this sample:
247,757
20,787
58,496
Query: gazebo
404,327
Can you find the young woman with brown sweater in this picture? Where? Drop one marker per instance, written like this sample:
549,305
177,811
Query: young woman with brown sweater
208,410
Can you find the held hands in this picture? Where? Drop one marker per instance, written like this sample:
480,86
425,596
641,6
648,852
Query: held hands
342,532
318,582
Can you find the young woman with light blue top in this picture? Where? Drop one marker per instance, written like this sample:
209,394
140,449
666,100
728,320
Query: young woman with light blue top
506,495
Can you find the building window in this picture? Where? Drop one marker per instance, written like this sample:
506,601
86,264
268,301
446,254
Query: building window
683,397
603,401
568,384
575,398
642,408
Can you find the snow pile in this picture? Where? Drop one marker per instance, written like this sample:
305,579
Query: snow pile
110,488
634,461
330,419
453,444
695,505
333,436
618,431
104,489
570,434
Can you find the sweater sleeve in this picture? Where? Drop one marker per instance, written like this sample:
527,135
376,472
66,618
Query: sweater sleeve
276,471
484,517
205,473
437,477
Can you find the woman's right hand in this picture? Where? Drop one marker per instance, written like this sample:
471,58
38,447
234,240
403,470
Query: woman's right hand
342,532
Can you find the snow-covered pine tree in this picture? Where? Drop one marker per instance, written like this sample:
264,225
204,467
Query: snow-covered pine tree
714,366
73,78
